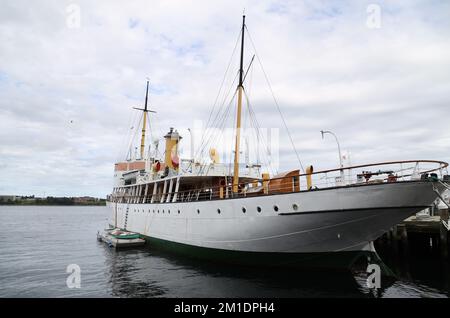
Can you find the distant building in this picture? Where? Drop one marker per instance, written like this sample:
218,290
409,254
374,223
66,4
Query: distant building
83,200
6,198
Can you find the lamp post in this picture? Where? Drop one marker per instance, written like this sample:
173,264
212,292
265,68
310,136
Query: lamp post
323,132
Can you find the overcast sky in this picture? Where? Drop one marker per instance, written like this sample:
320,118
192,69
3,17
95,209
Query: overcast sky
67,85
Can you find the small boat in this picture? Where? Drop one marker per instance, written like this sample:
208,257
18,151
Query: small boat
119,239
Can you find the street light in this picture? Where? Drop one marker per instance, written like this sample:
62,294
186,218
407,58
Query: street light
323,132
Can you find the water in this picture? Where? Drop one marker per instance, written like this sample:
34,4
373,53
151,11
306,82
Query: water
38,243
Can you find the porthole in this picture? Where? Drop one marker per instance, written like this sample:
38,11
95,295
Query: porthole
275,208
244,210
158,211
295,207
163,211
153,211
168,211
218,211
198,211
258,209
178,211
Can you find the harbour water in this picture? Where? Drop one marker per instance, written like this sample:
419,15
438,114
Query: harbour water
38,243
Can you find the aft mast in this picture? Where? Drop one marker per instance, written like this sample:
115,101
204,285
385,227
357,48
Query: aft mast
239,109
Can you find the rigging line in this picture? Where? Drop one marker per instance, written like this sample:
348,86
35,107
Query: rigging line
250,83
275,100
134,135
226,116
221,126
207,136
254,132
219,92
257,128
249,66
223,79
265,159
124,138
150,134
205,143
231,157
220,110
212,135
248,92
222,123
155,124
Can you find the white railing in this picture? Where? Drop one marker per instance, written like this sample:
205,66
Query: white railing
360,175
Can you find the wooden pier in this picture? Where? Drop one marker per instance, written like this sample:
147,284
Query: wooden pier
435,228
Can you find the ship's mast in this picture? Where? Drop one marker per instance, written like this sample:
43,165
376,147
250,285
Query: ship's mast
239,109
144,123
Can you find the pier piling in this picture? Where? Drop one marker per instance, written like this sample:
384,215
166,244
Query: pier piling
403,237
443,233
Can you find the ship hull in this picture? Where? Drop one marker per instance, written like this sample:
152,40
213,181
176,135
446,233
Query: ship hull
305,225
310,261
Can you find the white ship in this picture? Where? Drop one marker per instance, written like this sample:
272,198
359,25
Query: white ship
243,215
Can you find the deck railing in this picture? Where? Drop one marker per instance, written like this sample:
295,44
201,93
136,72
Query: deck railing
384,172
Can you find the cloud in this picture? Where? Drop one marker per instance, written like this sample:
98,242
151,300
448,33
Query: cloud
66,93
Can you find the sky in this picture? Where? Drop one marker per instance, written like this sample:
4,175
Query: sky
374,73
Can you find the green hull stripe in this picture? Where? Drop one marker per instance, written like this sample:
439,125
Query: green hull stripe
325,260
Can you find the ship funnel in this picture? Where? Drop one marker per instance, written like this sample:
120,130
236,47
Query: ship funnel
171,159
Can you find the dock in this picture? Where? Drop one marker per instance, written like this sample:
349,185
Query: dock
433,228
121,239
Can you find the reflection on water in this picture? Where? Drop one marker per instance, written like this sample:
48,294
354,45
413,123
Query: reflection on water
145,273
125,277
39,242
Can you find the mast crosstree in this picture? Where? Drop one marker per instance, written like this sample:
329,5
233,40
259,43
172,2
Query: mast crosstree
144,123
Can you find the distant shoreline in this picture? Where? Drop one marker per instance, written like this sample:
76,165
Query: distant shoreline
48,204
49,201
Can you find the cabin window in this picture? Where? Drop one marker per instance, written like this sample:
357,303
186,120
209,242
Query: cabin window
158,211
198,211
258,209
218,211
168,211
163,211
295,207
153,211
178,211
244,210
275,208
